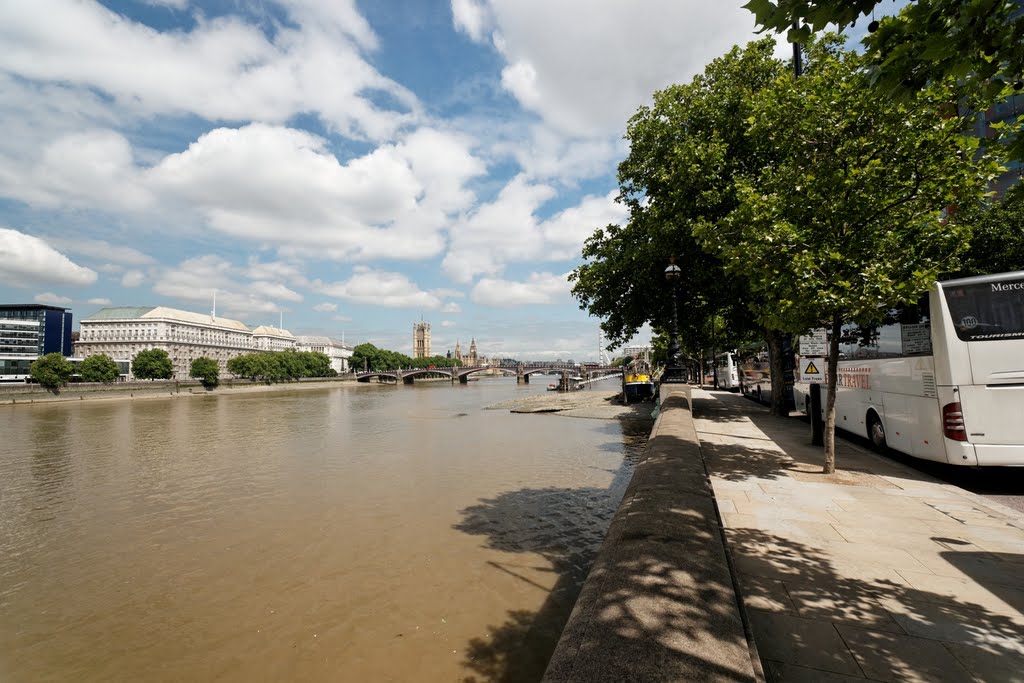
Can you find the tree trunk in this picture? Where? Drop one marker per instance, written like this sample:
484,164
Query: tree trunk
780,406
830,401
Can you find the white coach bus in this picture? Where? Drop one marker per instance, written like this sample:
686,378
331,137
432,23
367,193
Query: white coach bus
943,380
727,374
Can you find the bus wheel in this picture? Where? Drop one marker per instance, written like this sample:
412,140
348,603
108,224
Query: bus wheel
876,432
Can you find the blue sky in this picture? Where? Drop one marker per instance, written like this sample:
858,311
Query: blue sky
349,166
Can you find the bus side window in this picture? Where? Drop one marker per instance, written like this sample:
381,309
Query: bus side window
915,329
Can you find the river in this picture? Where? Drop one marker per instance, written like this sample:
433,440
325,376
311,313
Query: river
349,533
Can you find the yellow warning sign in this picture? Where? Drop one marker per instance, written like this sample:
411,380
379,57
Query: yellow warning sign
811,369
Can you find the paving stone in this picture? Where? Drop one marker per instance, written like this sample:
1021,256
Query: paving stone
781,672
766,595
989,665
964,624
811,643
903,659
857,604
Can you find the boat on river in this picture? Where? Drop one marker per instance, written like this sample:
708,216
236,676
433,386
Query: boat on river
637,381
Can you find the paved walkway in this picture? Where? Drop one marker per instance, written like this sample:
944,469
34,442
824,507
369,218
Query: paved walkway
877,572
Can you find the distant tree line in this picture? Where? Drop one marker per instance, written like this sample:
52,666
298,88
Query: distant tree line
277,366
369,357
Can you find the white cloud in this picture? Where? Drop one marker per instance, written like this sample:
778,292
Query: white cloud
197,280
448,323
471,17
282,186
451,307
379,288
565,232
508,230
52,299
496,233
585,72
98,249
27,260
539,288
325,308
133,278
342,318
99,302
89,168
223,69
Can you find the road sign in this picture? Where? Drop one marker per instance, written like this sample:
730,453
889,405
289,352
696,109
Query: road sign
814,344
812,370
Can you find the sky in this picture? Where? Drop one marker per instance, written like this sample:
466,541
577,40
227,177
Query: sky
346,167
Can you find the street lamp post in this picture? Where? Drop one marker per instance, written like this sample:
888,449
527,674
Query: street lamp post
674,370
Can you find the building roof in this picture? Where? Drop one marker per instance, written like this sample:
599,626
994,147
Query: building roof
310,339
163,313
269,331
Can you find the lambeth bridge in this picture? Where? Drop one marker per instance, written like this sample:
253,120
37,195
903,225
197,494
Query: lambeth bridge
522,371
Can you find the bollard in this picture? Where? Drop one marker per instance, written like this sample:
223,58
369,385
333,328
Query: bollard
817,424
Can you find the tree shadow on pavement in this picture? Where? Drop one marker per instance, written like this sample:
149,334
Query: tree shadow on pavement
762,445
816,617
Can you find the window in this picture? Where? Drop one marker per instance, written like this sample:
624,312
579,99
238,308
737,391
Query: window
987,311
905,331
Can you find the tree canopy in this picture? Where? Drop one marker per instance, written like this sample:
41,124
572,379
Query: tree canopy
51,371
683,153
979,43
206,370
98,368
275,366
849,221
997,236
152,364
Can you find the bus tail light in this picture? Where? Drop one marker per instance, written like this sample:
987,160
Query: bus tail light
953,422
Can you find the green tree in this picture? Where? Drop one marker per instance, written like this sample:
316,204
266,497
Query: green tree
977,42
205,370
152,364
317,364
51,371
99,368
848,222
997,240
684,153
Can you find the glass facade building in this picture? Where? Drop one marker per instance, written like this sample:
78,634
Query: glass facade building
34,330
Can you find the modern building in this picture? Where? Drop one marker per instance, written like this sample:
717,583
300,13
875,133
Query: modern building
46,329
121,332
421,340
332,348
641,352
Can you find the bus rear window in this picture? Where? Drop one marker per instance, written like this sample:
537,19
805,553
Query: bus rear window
987,312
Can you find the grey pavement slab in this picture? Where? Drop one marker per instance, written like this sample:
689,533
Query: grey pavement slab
878,572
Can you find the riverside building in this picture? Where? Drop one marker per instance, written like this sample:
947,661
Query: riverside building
34,330
124,331
332,348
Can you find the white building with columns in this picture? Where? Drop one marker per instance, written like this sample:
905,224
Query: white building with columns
123,331
332,348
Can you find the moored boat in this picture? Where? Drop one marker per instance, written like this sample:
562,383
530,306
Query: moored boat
637,381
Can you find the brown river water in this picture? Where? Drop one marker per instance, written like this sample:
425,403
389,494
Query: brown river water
351,533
